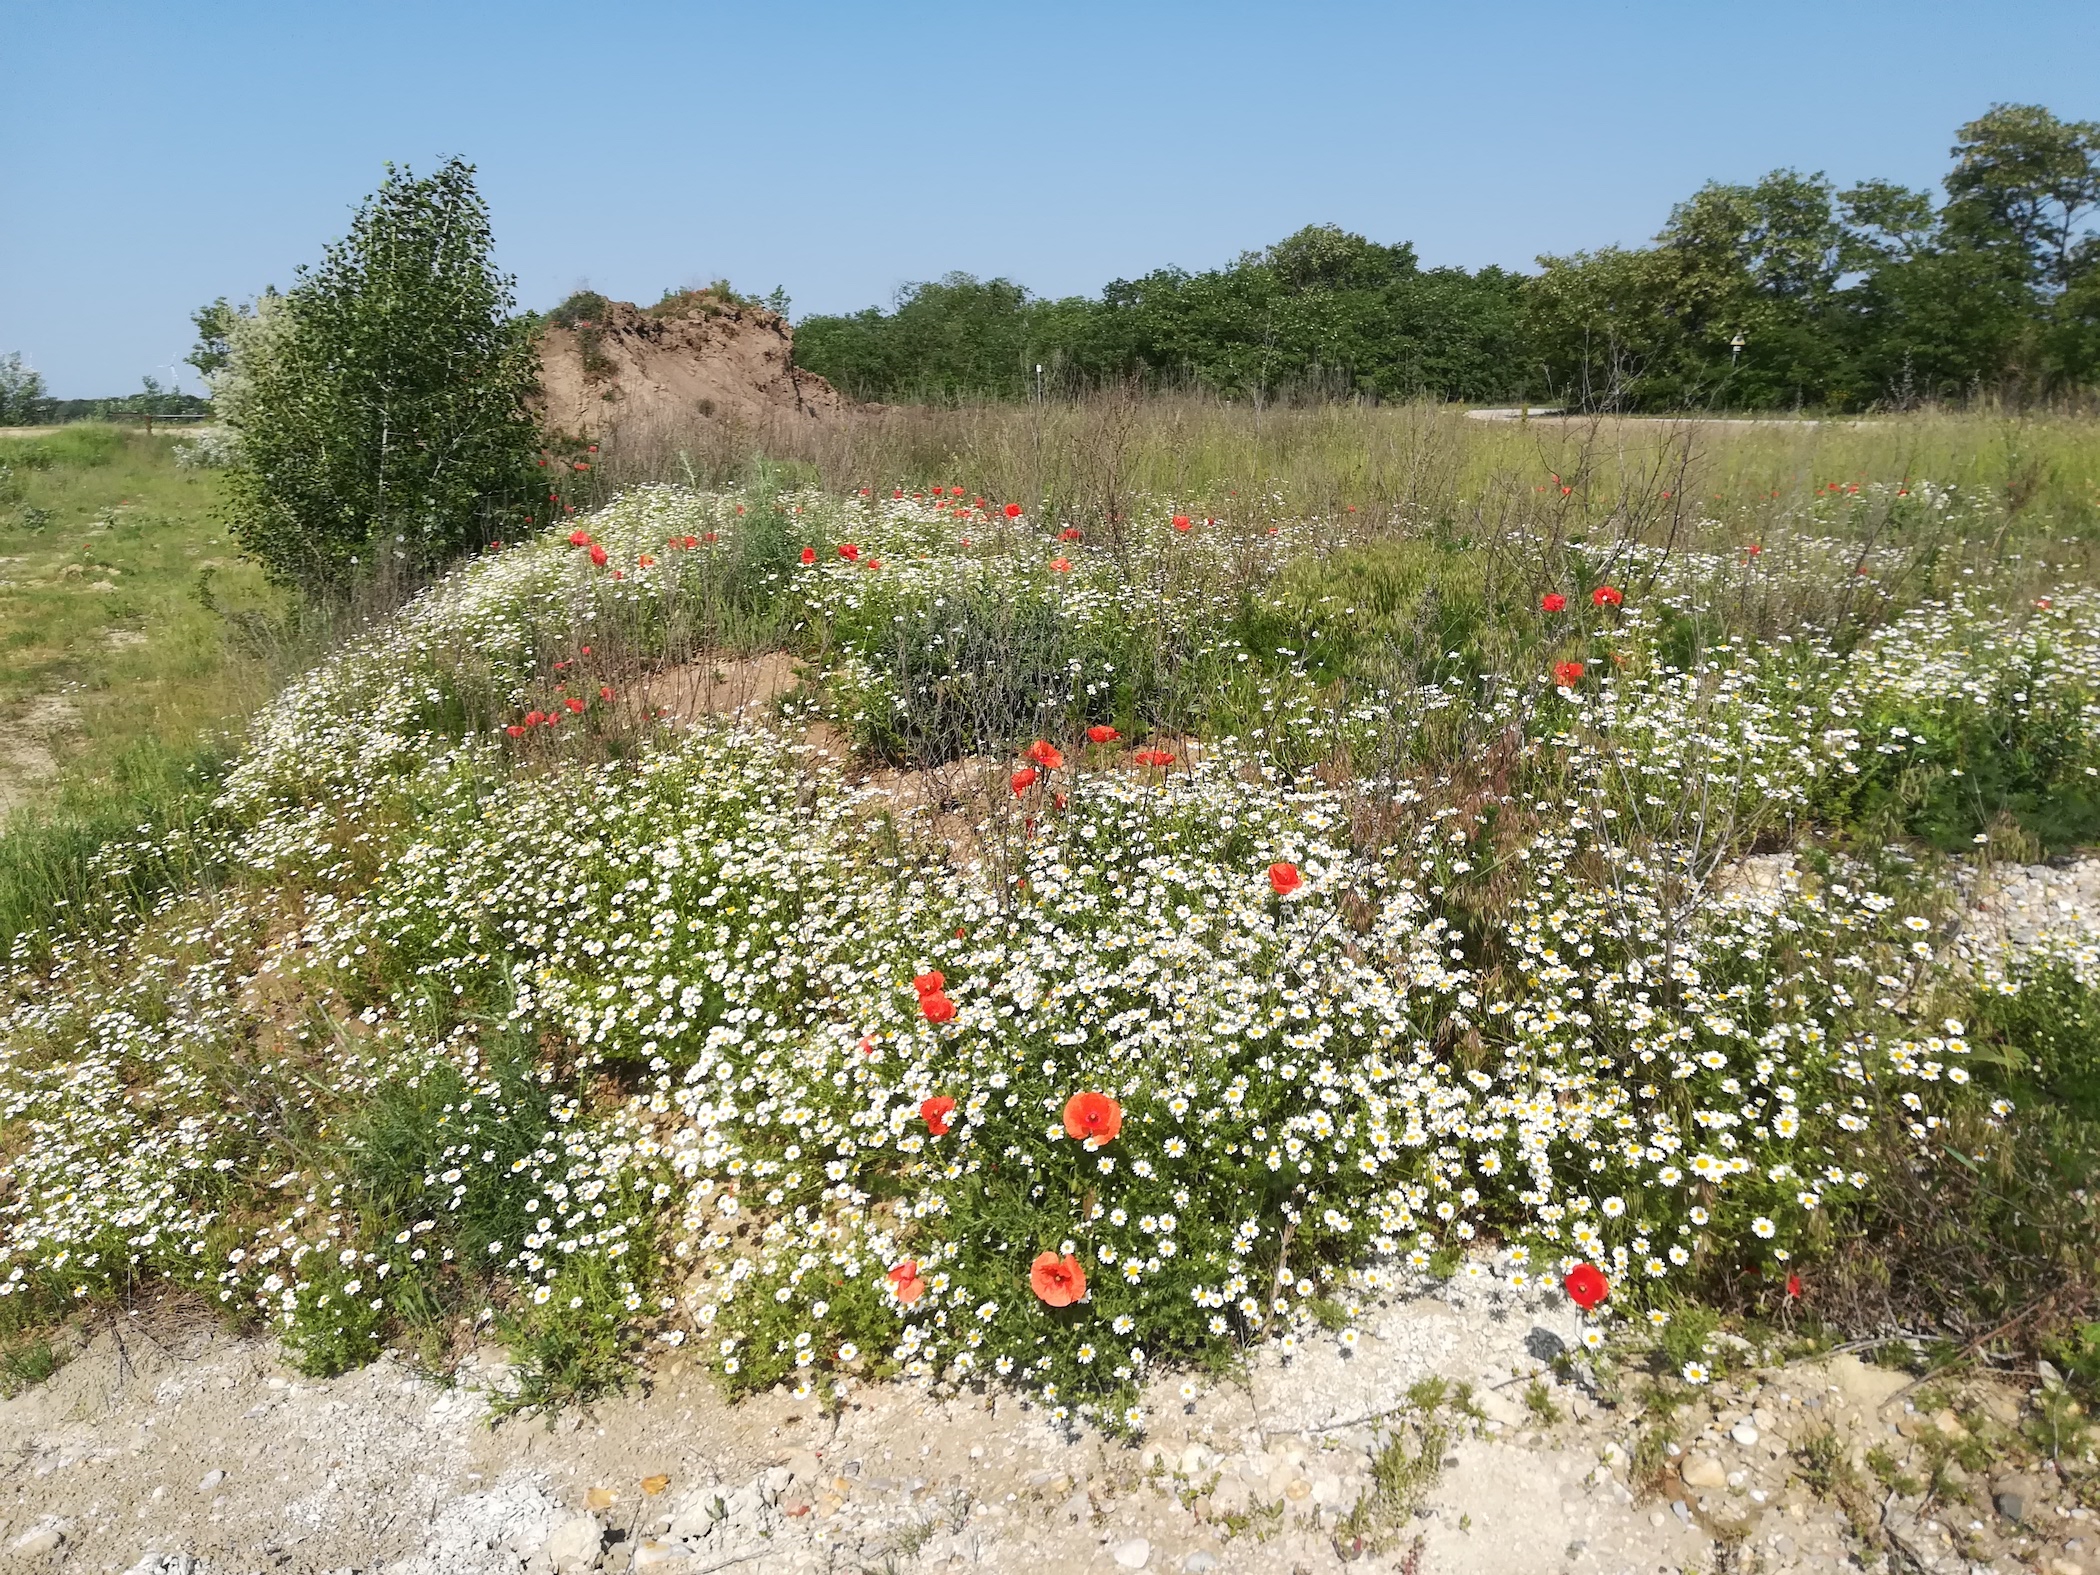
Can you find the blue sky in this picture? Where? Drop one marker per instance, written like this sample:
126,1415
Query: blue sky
158,155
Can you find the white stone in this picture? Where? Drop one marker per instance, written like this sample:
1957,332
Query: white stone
1132,1555
210,1480
1702,1471
1744,1433
35,1544
575,1545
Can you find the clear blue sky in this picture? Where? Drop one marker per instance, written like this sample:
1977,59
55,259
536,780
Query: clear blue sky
157,155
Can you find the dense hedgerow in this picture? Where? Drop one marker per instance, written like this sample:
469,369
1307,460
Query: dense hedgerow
602,1024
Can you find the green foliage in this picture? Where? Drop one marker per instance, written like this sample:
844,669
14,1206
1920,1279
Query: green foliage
1780,293
21,392
383,429
1322,311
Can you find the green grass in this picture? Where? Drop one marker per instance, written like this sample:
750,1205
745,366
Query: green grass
122,684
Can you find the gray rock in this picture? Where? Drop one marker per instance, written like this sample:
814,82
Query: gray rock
1543,1345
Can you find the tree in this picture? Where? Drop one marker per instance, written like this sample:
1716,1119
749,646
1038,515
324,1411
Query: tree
380,407
215,328
21,392
2021,185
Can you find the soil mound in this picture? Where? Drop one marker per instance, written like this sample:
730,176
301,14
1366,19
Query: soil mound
700,355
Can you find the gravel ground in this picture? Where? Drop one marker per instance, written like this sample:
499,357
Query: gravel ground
166,1453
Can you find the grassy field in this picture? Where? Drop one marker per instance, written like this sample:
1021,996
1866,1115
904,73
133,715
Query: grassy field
125,678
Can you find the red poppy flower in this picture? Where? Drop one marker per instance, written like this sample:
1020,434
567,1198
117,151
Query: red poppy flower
535,718
935,1113
1284,878
1022,780
874,564
897,493
1100,734
905,1281
937,1007
927,983
809,555
1057,1282
1606,596
580,465
1095,1116
1154,757
515,731
598,556
850,551
1061,565
646,561
710,538
1070,533
1793,1285
1012,511
1567,674
1553,601
579,538
575,705
1586,1286
605,691
1047,755
1755,549
1181,522
592,449
2043,603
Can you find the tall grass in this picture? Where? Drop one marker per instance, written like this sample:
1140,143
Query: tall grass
1089,459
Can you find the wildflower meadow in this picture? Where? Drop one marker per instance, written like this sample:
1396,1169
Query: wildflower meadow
1127,940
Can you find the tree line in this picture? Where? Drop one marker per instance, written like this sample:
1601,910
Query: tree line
1787,292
